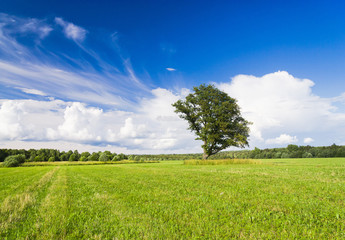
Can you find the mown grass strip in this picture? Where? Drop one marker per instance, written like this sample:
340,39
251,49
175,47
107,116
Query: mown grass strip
14,206
53,212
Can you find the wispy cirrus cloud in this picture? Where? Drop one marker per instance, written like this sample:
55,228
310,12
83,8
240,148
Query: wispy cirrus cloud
25,26
71,30
32,91
77,76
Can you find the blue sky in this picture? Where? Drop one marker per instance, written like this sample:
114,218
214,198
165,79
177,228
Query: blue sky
95,75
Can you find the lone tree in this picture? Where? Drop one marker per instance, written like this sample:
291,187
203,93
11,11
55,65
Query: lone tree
215,118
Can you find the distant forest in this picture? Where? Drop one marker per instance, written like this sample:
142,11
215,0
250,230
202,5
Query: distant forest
291,151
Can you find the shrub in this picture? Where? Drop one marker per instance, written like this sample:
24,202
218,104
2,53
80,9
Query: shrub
14,160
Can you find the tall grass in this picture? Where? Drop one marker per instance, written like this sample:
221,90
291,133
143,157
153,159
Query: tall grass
221,162
68,163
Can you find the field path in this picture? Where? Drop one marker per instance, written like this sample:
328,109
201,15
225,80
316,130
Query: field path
24,201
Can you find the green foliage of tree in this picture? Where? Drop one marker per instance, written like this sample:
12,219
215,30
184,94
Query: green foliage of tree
83,159
14,160
84,156
103,157
38,159
215,118
64,157
73,158
116,158
93,157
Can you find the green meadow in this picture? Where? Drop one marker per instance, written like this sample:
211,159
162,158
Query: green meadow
275,199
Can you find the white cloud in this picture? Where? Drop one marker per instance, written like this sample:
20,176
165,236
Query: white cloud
282,139
152,127
42,72
32,91
81,123
12,24
171,69
279,102
28,119
308,140
36,26
71,31
130,130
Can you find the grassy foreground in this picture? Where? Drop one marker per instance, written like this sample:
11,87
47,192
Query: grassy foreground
278,199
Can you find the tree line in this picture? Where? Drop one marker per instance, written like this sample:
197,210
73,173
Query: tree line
53,155
291,151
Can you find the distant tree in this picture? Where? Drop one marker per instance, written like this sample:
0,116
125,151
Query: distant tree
77,155
103,157
93,157
69,153
38,158
84,156
307,155
122,156
215,118
64,157
3,154
292,148
72,158
83,159
116,158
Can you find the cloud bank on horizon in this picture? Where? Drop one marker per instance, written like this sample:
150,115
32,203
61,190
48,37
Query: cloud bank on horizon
51,99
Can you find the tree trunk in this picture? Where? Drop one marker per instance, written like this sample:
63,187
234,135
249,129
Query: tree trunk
205,155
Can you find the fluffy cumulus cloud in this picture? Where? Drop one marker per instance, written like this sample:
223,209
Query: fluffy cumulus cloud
308,140
152,127
28,119
279,102
282,139
275,103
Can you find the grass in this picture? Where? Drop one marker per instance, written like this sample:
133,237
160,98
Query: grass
72,163
221,162
278,199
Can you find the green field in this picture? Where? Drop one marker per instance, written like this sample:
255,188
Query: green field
278,199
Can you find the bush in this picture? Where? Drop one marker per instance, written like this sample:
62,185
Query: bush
14,160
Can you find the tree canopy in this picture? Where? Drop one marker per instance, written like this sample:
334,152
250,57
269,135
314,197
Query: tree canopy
215,118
